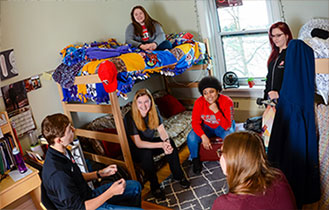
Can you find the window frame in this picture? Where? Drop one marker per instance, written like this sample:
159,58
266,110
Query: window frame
274,10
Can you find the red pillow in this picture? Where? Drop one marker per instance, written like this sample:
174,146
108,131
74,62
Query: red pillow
111,149
168,106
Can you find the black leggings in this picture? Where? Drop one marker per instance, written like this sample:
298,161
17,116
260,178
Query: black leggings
145,158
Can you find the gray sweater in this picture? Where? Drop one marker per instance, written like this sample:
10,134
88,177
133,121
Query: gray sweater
158,37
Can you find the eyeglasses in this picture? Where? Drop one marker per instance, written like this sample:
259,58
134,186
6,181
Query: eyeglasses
276,35
219,152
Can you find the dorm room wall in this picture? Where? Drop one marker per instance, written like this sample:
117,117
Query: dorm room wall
38,30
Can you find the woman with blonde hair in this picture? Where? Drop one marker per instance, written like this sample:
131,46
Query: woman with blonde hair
141,123
252,183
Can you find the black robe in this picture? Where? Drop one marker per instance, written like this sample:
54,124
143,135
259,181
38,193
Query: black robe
293,144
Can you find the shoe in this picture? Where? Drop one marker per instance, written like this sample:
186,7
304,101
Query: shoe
197,167
184,183
159,194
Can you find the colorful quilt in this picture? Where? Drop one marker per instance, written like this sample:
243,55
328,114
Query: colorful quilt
132,64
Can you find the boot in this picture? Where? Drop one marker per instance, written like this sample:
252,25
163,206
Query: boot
197,167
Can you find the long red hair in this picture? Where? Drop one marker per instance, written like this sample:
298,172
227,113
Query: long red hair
275,50
149,22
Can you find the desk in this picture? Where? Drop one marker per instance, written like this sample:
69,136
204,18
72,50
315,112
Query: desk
10,191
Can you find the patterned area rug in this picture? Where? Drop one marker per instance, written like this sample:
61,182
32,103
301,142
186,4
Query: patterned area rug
204,189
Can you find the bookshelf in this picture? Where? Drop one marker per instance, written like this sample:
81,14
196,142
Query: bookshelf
11,190
9,144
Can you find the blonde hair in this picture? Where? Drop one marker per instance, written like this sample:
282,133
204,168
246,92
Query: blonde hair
248,171
153,120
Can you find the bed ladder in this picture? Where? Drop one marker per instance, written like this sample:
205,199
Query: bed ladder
112,108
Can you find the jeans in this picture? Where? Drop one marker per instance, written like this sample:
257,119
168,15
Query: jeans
164,45
193,140
131,196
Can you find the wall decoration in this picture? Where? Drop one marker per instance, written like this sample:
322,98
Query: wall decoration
32,83
36,83
228,3
14,96
23,120
7,65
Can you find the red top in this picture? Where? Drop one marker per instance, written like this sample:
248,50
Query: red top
145,33
202,114
278,196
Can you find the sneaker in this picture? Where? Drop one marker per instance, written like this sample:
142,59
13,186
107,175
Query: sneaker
184,183
197,167
159,194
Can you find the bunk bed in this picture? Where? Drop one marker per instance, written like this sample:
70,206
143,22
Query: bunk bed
315,33
184,56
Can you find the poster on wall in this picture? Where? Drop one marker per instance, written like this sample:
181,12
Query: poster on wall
18,108
14,96
32,83
228,3
7,65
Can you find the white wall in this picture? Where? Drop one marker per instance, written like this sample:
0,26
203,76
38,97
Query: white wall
298,12
38,30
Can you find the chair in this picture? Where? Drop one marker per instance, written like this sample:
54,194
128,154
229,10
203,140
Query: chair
46,202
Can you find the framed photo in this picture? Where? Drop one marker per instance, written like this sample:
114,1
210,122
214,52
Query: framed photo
7,65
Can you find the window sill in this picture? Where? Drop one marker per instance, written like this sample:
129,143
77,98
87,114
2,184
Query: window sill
245,92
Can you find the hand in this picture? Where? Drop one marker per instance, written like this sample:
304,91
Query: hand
153,46
213,107
144,47
118,187
273,94
206,142
109,170
167,148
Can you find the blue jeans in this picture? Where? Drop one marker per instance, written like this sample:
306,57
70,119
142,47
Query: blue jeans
193,140
164,45
131,195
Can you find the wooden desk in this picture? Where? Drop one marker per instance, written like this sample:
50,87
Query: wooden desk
10,191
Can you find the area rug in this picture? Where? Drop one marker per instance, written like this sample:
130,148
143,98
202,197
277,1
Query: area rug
204,189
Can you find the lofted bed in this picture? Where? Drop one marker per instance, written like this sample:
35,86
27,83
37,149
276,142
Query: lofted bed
188,55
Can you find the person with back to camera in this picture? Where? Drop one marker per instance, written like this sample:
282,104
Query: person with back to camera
212,116
279,36
66,186
144,32
252,183
141,123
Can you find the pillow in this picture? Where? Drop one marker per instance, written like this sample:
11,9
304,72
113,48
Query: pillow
111,149
168,106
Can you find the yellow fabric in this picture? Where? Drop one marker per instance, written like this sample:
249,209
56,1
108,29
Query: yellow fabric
92,66
133,61
185,48
82,91
196,51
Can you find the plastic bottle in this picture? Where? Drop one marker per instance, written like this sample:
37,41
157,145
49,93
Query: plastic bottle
19,161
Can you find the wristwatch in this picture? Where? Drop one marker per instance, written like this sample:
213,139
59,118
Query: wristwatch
98,174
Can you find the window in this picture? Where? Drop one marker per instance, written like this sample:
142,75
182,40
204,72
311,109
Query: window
242,32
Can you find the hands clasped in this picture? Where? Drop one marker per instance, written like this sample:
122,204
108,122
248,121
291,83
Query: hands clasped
167,148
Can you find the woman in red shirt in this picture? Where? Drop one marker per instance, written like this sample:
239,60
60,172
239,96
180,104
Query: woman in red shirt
212,116
252,183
